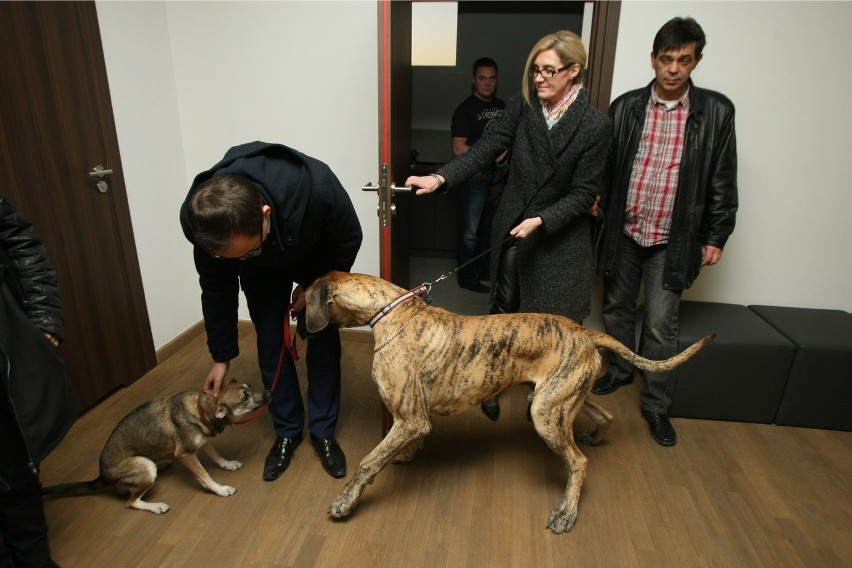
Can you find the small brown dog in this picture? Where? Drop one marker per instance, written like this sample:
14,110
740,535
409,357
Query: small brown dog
430,361
161,430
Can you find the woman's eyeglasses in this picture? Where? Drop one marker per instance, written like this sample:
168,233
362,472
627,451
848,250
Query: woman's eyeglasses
546,72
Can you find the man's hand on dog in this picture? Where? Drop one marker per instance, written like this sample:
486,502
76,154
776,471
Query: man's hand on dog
216,376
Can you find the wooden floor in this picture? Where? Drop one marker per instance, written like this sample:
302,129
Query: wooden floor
478,494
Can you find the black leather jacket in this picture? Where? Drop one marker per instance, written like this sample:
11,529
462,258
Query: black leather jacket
706,202
38,402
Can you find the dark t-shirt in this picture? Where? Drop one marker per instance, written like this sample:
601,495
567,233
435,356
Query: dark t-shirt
473,116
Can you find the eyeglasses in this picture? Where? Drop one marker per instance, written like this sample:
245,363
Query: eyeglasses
546,72
254,252
250,254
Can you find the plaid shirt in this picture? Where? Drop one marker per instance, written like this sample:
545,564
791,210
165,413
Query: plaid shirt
656,167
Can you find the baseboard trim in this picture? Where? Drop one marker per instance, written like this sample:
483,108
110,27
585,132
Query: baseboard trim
179,342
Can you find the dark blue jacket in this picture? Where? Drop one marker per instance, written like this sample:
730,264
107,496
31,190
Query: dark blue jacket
314,229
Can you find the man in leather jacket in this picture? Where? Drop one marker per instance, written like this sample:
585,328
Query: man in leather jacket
37,402
670,208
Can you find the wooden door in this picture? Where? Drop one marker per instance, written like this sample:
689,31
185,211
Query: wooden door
56,126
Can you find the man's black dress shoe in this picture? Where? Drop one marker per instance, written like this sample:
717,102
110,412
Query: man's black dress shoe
475,287
661,429
608,384
492,411
278,458
331,456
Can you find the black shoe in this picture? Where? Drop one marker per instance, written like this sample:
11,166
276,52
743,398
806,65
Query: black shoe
492,411
331,456
278,458
661,429
475,287
608,384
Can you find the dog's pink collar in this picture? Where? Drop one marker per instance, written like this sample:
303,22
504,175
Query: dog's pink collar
414,292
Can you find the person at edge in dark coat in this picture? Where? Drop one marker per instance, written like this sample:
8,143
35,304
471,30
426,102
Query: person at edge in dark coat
669,208
559,150
263,218
37,403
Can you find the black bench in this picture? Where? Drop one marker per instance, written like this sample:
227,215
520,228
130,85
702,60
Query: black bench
741,375
819,387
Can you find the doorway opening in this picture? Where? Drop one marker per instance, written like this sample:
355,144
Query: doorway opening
505,32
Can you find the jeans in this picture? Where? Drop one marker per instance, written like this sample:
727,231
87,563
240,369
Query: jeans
637,265
473,194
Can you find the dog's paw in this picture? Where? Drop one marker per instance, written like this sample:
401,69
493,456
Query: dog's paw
339,509
156,508
588,438
560,521
159,508
231,465
224,490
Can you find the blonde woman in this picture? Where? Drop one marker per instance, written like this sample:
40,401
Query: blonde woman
559,150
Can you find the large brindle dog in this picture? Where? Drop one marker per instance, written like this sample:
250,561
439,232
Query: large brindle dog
430,361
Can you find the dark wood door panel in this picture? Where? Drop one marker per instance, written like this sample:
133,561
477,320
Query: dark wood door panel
56,125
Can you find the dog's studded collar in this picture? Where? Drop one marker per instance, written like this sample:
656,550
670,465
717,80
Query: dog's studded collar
209,425
419,291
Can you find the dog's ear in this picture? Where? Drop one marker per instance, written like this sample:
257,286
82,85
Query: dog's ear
221,411
316,302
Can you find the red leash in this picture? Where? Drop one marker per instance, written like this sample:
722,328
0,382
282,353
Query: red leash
287,344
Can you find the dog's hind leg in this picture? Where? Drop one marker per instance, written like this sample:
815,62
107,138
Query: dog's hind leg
602,420
136,477
192,464
404,434
554,409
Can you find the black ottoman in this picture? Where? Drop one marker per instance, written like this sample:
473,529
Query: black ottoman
819,388
740,375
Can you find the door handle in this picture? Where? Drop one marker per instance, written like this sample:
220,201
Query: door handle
100,171
394,188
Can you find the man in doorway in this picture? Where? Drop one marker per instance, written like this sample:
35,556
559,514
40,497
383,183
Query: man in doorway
262,219
470,119
670,208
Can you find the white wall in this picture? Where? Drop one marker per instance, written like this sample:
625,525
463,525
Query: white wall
142,87
783,66
191,79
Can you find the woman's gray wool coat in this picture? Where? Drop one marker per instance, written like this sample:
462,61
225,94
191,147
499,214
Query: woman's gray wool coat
555,174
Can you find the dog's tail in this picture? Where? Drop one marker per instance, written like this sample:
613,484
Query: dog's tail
607,342
76,488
